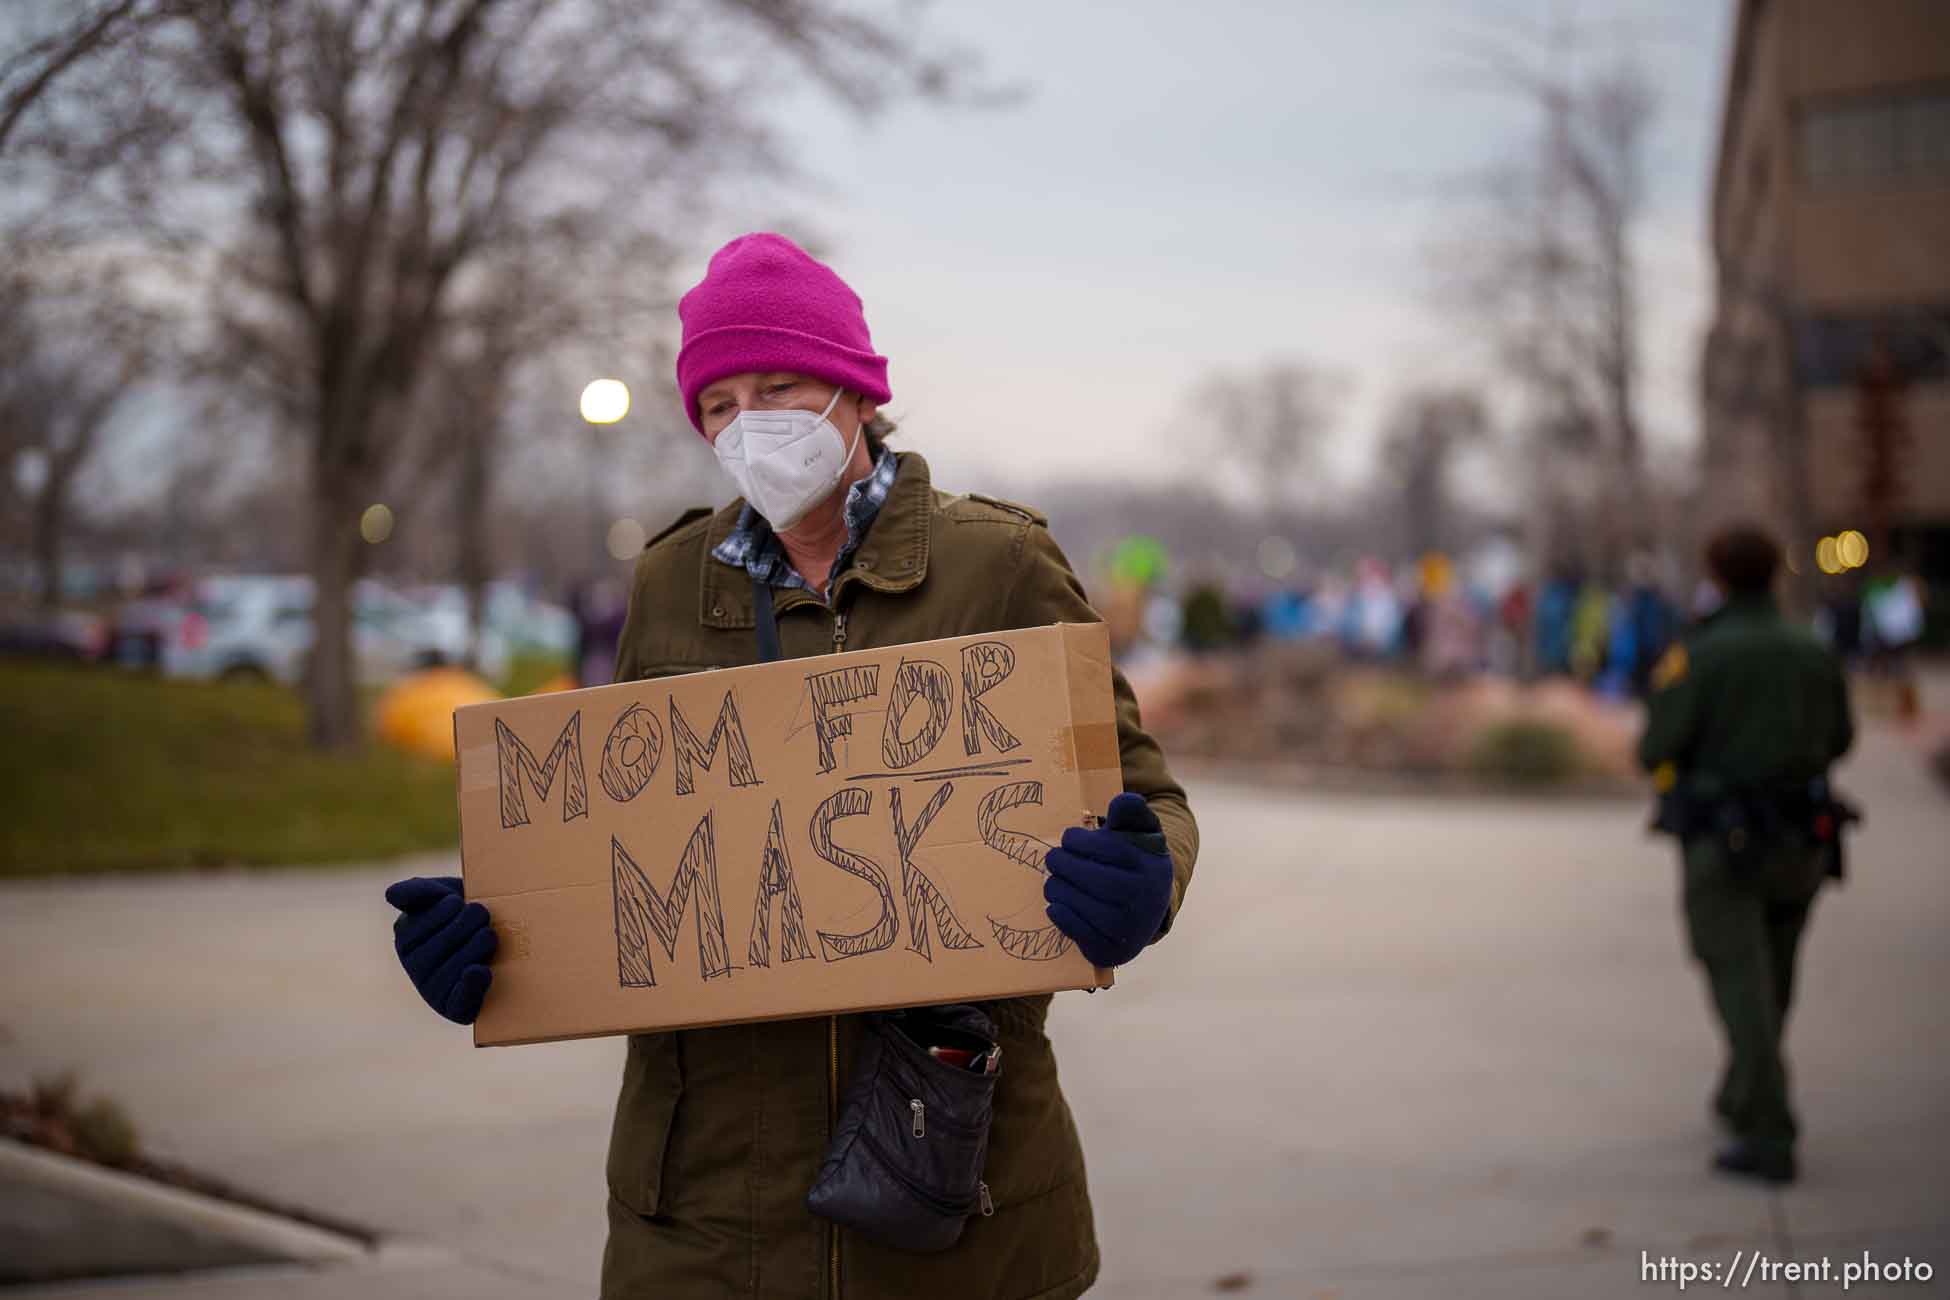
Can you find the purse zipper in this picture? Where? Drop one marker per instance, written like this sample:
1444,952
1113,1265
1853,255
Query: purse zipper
920,1116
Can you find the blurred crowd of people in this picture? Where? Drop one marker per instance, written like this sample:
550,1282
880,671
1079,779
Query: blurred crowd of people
1429,618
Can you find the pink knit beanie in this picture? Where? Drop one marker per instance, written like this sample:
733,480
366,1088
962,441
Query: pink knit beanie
766,304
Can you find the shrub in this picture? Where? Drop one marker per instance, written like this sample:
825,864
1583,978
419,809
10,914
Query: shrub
1526,752
52,1114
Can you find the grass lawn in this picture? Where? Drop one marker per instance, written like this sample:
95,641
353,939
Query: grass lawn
108,771
530,670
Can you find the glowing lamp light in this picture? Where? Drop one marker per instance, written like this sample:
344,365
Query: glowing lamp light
605,401
1852,549
376,524
626,538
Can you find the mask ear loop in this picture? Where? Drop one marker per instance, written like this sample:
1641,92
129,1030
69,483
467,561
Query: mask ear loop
847,459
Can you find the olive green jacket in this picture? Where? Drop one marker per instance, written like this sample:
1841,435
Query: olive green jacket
1750,701
719,1132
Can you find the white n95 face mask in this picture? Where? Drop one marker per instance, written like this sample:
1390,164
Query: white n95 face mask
784,462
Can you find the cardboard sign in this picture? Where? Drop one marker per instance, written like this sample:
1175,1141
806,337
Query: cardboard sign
841,833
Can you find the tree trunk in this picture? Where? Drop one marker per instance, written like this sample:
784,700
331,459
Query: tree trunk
476,478
1628,502
50,518
331,685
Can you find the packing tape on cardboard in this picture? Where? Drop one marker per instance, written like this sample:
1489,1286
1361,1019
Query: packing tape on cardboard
1089,747
479,768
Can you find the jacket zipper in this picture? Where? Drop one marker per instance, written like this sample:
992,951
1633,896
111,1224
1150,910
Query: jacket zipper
833,1036
832,1124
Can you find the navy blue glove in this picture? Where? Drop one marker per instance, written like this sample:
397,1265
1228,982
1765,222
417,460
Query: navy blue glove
1109,889
444,943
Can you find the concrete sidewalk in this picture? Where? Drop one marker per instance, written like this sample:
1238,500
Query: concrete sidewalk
1397,1047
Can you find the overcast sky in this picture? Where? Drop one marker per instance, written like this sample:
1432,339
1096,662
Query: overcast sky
1192,187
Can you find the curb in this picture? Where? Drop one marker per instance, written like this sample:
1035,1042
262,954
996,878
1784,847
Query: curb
190,1230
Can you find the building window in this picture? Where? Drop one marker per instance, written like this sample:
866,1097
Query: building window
1863,140
1833,351
1925,135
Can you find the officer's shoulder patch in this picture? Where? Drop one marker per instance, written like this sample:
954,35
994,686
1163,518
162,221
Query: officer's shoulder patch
1671,668
690,516
1015,508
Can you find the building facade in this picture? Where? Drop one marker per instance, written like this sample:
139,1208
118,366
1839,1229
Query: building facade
1826,374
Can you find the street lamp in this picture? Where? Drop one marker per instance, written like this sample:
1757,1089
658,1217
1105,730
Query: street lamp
605,401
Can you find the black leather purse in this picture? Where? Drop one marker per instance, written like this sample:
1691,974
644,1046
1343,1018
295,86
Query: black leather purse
905,1165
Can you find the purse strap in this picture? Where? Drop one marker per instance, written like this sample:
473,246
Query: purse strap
769,650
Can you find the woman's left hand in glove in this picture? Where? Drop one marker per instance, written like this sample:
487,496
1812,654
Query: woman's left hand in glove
1109,888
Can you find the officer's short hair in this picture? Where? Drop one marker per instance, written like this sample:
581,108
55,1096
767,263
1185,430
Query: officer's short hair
1743,557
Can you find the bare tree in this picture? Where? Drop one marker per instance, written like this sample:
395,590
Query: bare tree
65,371
1427,430
1270,419
345,176
466,410
1547,274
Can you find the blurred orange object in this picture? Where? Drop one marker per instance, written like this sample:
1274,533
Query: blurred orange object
559,682
1438,574
416,714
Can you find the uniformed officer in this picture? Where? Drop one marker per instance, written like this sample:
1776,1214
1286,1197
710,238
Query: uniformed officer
1744,720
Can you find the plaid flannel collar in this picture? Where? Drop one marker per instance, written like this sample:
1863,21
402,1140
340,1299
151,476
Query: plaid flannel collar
755,548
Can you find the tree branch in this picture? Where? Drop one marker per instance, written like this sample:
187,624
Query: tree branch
259,104
92,36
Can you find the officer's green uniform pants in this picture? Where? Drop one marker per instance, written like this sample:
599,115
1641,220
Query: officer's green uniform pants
1746,933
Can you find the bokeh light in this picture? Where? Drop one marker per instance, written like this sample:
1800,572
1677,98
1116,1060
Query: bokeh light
1438,573
31,467
1138,561
605,401
626,538
1828,556
1278,558
376,524
1852,549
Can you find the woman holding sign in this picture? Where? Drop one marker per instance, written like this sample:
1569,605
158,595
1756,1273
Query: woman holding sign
837,543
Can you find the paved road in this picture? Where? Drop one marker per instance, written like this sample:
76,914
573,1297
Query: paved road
1398,1047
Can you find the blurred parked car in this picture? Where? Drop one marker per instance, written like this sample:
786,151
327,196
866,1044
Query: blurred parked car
65,634
259,626
140,629
513,623
445,627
